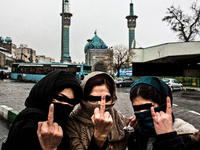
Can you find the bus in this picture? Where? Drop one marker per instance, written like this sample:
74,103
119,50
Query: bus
36,71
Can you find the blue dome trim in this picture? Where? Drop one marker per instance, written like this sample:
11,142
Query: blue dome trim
8,39
95,43
1,39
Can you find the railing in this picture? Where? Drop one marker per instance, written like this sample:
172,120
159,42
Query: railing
189,81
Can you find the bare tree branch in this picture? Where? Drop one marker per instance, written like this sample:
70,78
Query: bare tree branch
186,27
122,57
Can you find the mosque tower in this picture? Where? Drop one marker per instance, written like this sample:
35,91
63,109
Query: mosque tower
66,21
131,22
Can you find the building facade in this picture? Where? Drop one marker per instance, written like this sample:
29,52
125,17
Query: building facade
182,54
98,55
42,58
25,54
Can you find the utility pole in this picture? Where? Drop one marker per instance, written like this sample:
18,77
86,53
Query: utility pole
21,51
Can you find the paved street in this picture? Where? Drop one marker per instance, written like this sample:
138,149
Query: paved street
187,103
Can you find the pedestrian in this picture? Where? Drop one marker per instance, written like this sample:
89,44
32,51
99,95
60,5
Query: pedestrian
40,124
148,96
1,75
96,124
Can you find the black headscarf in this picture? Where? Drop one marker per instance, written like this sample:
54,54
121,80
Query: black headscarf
158,84
37,107
42,92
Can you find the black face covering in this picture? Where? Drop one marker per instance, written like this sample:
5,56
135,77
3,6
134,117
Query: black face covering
41,94
98,98
61,112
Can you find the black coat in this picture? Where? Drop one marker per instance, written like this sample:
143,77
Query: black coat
137,141
23,132
172,141
169,141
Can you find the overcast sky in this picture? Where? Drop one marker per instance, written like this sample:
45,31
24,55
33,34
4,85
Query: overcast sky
37,23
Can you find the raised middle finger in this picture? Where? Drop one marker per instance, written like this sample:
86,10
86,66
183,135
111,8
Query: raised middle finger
102,104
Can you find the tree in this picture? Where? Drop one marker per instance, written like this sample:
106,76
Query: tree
186,26
121,57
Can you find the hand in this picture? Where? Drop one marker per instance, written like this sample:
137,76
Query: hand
49,133
102,122
132,122
163,121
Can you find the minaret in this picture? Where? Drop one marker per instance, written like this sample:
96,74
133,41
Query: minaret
66,21
131,22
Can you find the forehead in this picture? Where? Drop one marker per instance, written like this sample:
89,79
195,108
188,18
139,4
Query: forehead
68,92
99,89
140,101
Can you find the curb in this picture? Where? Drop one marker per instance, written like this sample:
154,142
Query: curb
192,89
191,111
8,113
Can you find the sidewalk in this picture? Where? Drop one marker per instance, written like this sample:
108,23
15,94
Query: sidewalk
191,88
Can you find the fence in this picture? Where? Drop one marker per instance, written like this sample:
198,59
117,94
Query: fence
189,81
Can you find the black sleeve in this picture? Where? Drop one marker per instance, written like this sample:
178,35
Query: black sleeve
169,141
93,145
27,139
23,136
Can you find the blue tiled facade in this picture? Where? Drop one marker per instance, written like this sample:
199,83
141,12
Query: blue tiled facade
66,56
97,54
131,23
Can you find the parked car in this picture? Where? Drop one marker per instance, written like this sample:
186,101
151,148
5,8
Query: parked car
173,84
123,81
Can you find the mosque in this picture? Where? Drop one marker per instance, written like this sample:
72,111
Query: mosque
98,55
172,59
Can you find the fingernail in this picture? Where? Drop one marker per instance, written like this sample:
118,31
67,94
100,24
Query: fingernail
51,104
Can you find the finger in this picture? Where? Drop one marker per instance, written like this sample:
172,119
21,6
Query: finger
60,131
161,113
129,120
96,113
50,115
169,106
39,129
133,122
55,125
39,126
153,114
107,114
44,126
102,105
92,118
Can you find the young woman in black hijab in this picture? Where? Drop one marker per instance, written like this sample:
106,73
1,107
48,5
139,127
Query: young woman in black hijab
60,88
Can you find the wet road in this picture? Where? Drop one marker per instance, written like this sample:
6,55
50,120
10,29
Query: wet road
13,94
186,99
